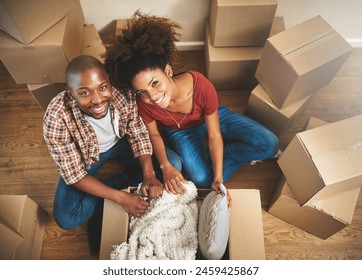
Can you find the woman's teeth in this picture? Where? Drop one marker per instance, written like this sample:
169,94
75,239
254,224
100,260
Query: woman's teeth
158,101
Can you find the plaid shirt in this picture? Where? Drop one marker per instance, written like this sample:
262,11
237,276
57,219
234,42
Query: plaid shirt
72,142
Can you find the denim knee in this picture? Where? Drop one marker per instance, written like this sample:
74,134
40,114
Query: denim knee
273,145
201,180
174,159
65,222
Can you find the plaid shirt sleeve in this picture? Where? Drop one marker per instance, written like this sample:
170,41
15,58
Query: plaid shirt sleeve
136,130
63,149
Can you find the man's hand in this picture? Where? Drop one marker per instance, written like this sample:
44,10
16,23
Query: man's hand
151,186
135,205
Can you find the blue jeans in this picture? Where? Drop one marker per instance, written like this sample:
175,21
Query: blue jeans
73,207
244,141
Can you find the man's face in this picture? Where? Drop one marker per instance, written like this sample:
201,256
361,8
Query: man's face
92,91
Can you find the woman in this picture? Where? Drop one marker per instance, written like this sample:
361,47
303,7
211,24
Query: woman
212,142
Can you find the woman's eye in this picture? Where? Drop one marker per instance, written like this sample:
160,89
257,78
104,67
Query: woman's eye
140,92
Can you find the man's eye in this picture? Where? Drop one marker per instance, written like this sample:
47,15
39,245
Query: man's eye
154,83
83,93
103,88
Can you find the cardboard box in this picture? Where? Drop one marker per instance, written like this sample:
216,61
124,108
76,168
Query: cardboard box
241,23
27,20
323,218
9,241
120,23
246,237
44,60
261,108
324,161
92,43
21,215
231,68
304,58
44,93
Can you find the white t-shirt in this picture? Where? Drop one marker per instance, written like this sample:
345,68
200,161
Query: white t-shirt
107,133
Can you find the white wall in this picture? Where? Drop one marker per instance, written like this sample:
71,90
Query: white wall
345,16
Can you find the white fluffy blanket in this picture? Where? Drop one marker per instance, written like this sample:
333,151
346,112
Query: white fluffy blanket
167,230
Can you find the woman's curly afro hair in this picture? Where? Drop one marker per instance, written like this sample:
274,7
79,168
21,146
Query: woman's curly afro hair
146,42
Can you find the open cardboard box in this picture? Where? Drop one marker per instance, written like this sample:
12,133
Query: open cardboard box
323,218
246,236
22,224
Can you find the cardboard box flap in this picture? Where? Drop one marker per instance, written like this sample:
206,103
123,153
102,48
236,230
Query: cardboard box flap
314,123
23,20
339,205
246,237
115,220
297,152
9,241
318,53
301,35
16,204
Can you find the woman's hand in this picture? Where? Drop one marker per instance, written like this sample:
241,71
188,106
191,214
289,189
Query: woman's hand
216,187
173,180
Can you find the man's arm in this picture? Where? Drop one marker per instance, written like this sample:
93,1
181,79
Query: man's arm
133,204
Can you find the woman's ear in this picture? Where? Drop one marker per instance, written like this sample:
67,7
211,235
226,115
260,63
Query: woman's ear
168,70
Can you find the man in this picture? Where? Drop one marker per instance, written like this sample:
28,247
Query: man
85,125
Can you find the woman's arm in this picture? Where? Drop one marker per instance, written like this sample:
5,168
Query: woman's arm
216,146
173,179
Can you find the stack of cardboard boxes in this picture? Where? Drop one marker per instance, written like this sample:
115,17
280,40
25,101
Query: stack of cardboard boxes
295,64
39,38
236,32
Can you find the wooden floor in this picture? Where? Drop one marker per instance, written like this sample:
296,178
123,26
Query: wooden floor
26,167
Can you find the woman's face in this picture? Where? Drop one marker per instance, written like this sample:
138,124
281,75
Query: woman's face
154,86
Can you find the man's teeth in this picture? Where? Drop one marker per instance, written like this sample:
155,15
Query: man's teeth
99,109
